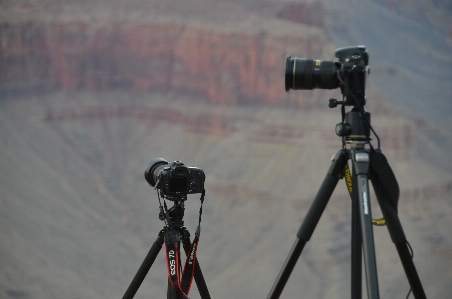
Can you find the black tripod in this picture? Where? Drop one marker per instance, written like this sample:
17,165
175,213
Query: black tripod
366,165
173,232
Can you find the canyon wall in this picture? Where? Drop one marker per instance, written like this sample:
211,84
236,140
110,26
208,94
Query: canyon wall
239,59
217,51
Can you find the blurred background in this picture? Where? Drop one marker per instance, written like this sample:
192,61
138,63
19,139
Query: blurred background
91,91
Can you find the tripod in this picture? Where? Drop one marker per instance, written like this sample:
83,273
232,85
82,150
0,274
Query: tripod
366,165
172,233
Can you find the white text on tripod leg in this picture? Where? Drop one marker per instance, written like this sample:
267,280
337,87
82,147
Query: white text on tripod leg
366,208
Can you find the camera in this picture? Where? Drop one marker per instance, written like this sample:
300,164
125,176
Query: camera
174,178
349,73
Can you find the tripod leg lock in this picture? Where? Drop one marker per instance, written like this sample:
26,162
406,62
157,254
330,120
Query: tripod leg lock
339,161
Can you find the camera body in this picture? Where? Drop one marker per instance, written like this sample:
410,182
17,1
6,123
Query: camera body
349,73
174,178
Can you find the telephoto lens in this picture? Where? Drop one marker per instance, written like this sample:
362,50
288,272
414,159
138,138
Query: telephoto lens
302,73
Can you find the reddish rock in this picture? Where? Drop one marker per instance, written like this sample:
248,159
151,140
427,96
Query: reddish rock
229,60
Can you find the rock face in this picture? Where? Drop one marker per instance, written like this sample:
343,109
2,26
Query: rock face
219,52
232,60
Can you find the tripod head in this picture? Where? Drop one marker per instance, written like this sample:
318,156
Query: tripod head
174,216
354,128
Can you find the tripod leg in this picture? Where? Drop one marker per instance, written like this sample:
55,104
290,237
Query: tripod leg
389,210
145,266
172,293
361,166
398,238
370,262
410,271
199,278
310,222
357,248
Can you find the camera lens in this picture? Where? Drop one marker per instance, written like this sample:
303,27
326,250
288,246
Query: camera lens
151,173
302,73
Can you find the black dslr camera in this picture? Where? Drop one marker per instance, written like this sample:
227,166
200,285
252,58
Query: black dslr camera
349,73
174,178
